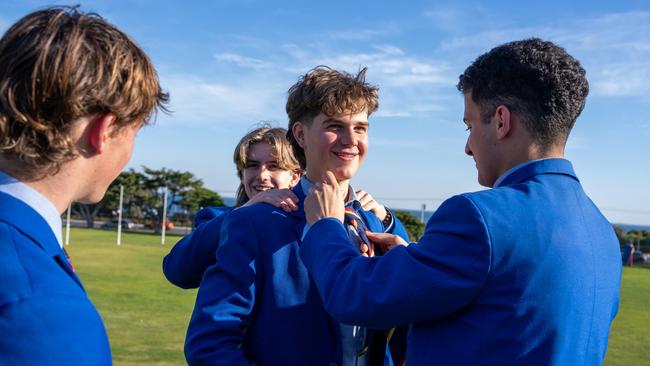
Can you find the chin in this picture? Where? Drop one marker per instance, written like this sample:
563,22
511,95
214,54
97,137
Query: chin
485,182
91,197
345,173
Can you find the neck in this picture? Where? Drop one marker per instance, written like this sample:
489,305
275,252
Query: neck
531,152
317,177
56,188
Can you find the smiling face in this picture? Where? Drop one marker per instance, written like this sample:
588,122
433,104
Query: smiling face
481,143
262,171
335,143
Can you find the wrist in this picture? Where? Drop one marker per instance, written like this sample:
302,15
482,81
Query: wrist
388,219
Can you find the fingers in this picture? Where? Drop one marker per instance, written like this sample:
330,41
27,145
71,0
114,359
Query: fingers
385,241
330,179
325,200
364,249
282,198
369,204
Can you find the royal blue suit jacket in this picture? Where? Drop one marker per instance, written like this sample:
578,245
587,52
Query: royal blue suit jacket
46,317
191,256
524,274
257,304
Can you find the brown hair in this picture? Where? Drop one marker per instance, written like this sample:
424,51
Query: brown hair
328,91
58,65
276,138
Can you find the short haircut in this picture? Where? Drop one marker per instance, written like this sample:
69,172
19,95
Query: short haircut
276,138
328,91
58,65
538,80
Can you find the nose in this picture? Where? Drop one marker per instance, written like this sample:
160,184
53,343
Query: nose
468,150
263,173
347,137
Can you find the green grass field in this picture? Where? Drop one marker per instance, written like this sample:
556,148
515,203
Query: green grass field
146,317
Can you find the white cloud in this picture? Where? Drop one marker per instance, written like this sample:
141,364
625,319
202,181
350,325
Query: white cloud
622,79
388,64
613,48
243,61
197,101
390,49
385,113
358,34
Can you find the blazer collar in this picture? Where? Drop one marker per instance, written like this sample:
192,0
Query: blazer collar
298,216
300,213
19,215
545,166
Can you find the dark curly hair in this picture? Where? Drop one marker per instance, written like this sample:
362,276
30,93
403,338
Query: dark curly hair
58,65
538,80
328,91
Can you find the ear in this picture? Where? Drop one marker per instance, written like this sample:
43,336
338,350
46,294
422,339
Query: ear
503,122
295,178
99,131
298,130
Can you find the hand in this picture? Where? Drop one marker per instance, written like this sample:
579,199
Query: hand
384,241
326,199
369,204
282,198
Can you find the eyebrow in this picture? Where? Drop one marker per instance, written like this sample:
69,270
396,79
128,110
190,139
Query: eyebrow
363,123
248,161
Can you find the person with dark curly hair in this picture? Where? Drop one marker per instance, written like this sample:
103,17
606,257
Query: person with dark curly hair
525,273
74,91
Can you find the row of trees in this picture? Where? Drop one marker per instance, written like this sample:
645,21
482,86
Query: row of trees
143,199
143,196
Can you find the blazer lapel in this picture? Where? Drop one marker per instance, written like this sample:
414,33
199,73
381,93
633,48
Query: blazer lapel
19,215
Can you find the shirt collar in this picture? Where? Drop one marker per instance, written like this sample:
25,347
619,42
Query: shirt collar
512,170
35,200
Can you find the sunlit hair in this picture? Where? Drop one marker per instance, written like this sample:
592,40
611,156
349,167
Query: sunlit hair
58,65
328,91
276,138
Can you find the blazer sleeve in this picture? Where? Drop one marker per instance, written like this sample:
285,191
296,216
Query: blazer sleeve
427,280
225,299
193,254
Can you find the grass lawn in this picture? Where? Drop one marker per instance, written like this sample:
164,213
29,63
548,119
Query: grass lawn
147,317
629,339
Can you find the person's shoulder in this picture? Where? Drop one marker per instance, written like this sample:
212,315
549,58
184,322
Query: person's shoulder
492,196
259,214
210,213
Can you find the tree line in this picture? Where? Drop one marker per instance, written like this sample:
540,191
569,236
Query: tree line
143,199
143,196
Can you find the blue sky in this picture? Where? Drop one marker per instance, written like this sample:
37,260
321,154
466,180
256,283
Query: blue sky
228,64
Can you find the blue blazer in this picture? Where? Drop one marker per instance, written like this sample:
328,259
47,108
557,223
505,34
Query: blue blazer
527,273
257,304
46,317
191,256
